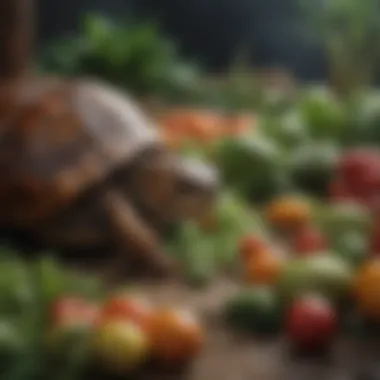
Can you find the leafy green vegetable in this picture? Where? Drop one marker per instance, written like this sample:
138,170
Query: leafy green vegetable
131,55
312,166
204,254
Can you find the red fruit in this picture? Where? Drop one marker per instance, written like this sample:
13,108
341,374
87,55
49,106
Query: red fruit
309,240
311,323
250,245
370,184
360,170
374,239
73,310
339,191
354,162
128,307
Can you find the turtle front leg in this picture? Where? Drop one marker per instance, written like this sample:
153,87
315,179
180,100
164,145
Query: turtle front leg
135,237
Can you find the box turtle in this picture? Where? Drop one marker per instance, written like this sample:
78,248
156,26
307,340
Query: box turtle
81,167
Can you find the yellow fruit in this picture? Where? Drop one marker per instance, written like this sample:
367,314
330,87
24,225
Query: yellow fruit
366,289
121,346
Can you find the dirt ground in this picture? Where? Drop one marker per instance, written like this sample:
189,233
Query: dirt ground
230,357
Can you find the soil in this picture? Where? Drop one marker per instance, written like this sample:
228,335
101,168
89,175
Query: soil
227,356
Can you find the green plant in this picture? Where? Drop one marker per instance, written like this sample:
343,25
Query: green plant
26,292
130,55
350,35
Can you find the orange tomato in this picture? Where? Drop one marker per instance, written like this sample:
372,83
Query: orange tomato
288,213
366,289
176,336
249,246
263,268
128,307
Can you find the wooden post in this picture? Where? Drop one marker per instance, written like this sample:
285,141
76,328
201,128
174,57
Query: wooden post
16,38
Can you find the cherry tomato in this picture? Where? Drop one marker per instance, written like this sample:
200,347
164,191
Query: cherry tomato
355,162
309,240
73,310
374,238
288,212
264,268
128,307
249,246
339,191
176,336
310,323
366,289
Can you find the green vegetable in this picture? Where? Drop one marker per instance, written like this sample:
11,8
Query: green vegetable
252,165
12,345
325,273
128,54
289,129
195,252
337,219
235,219
16,288
352,247
312,166
365,120
323,113
255,310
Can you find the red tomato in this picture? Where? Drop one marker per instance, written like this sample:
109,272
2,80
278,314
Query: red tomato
353,163
250,245
360,169
310,322
374,239
309,240
129,307
339,191
73,310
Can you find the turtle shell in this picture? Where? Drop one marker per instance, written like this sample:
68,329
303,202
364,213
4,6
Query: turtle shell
57,139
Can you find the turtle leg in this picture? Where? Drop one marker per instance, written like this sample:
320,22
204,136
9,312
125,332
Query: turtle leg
135,237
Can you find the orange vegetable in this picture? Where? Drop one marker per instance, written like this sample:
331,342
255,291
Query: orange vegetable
249,246
176,336
263,268
288,213
366,289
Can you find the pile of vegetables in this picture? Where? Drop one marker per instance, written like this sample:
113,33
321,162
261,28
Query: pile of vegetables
297,224
313,275
58,324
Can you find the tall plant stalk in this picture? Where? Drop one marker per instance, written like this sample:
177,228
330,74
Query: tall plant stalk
350,34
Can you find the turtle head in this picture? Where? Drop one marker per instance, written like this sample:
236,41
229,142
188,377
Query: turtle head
174,188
